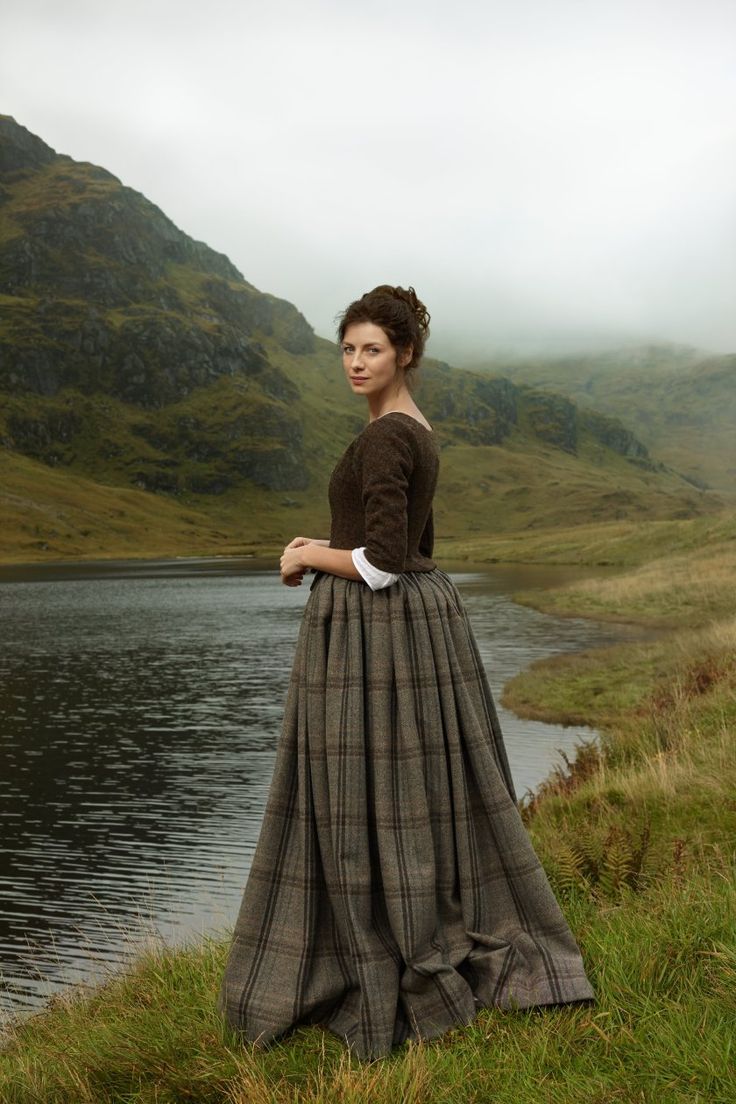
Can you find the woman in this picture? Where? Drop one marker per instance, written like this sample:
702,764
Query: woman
394,890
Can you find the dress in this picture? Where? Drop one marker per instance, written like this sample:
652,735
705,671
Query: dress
394,890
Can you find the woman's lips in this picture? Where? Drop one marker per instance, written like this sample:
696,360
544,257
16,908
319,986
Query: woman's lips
358,379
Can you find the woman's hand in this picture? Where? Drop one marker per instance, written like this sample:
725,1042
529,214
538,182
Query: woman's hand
293,568
299,541
316,555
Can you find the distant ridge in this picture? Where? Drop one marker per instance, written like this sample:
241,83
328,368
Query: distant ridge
679,400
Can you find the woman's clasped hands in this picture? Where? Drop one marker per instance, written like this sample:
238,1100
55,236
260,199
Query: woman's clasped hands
292,566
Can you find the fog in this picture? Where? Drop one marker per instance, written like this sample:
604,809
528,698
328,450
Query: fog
549,177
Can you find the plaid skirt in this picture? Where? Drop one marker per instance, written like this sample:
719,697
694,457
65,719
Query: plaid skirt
394,890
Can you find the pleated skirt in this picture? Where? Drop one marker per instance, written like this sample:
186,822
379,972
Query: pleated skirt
394,890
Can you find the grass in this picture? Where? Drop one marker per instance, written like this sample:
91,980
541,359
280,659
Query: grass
680,588
662,964
607,542
636,834
479,484
52,514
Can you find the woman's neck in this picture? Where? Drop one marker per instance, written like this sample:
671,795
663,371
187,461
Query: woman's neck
401,401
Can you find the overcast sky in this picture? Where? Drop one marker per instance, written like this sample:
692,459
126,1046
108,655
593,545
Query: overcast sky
548,175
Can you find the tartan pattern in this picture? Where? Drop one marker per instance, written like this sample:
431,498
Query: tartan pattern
394,889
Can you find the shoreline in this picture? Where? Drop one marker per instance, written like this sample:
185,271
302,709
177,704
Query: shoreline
17,570
607,544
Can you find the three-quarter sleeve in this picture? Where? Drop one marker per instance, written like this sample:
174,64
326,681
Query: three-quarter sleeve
385,462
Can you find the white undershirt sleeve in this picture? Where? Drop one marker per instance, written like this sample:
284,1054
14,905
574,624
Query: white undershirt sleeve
375,578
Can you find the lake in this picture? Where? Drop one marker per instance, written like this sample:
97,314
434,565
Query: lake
140,705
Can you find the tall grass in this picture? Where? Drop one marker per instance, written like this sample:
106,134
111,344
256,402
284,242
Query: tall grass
684,588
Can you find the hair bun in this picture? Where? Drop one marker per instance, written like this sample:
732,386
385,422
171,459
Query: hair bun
417,307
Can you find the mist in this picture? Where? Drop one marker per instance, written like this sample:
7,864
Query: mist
549,178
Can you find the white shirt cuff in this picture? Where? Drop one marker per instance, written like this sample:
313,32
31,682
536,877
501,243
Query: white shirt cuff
375,578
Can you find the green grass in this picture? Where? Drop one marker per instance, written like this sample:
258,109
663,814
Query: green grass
661,962
686,586
520,501
617,543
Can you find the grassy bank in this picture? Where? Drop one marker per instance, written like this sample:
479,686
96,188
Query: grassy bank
78,519
637,836
668,591
51,515
607,543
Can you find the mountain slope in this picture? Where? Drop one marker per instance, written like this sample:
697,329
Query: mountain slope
133,357
681,402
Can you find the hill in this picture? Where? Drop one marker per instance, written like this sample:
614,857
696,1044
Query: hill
138,366
680,401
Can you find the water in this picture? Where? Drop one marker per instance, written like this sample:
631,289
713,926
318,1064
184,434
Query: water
140,705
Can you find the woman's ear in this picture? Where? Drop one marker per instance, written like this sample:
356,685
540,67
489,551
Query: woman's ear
406,356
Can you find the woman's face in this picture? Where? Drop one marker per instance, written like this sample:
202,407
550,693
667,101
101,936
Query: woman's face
369,359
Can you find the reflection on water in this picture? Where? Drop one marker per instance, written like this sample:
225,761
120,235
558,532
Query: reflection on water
140,705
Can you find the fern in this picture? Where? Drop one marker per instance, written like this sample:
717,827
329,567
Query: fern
568,867
591,852
607,865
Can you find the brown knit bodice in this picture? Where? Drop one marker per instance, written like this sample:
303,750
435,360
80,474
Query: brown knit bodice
381,493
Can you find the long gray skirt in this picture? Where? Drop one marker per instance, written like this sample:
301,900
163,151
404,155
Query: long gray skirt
394,890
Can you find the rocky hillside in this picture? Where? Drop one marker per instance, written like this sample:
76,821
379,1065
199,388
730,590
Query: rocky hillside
679,400
101,293
140,359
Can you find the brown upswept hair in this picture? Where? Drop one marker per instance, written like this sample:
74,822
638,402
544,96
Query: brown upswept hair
401,315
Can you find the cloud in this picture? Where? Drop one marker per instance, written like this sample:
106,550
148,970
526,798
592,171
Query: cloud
542,173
